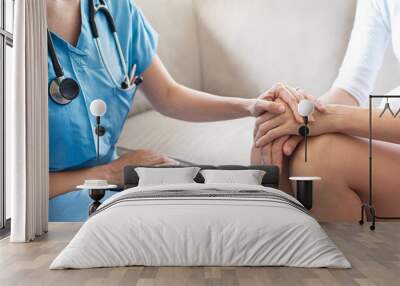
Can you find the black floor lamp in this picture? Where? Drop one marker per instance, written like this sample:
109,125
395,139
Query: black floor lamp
368,207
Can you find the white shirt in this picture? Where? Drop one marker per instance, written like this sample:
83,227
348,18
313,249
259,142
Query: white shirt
376,21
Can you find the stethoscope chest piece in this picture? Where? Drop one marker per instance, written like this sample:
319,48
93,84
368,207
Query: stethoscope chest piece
63,90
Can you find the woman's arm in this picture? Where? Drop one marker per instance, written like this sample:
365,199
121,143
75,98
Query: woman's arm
363,59
361,64
338,96
355,121
177,101
343,119
364,55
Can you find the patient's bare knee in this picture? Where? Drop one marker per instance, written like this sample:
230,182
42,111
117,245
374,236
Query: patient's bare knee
334,200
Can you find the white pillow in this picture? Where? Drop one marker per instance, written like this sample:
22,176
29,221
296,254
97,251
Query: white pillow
166,176
246,177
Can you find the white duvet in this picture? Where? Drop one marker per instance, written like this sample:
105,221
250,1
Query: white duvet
200,231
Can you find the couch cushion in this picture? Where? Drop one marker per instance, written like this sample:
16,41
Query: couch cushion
218,143
246,46
176,24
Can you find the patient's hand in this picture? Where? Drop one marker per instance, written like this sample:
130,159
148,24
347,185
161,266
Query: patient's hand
271,152
114,170
284,125
269,128
291,96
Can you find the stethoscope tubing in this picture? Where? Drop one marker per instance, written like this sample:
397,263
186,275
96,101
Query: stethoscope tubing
108,69
127,78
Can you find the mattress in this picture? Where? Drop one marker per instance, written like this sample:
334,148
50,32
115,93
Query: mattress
201,225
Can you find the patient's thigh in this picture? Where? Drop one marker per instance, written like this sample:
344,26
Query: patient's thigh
342,162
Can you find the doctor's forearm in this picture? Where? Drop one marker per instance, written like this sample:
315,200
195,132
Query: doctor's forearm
196,106
64,182
177,101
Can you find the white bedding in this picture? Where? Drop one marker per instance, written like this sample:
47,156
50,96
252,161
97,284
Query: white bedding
200,231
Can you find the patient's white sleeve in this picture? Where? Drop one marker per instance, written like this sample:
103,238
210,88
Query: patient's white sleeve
366,49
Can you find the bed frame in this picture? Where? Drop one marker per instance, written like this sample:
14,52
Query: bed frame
131,179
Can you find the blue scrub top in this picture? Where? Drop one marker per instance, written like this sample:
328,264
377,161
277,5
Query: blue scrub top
72,141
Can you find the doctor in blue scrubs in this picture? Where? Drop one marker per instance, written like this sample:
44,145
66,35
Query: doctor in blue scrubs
72,137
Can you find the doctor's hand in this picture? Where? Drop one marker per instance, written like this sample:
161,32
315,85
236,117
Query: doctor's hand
114,170
291,96
261,106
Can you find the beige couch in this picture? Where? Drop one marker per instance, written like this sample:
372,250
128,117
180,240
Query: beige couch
240,48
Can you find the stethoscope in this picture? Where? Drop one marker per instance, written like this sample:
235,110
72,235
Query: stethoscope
64,90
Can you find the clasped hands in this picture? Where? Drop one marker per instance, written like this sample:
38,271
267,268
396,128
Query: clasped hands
276,135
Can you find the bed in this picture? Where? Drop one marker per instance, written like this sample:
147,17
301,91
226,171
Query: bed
201,224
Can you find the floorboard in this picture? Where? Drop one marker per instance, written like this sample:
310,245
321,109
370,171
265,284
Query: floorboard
375,257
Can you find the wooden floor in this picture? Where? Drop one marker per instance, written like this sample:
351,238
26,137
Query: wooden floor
375,257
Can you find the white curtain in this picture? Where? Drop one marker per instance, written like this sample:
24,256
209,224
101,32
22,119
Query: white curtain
27,123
